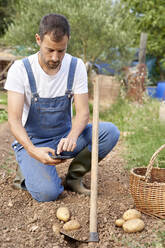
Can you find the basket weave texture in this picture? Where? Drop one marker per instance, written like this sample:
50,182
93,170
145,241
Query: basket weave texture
147,187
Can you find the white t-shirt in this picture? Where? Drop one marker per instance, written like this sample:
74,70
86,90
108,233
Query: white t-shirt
48,86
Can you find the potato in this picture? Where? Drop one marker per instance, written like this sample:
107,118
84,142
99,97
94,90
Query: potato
63,213
119,222
71,225
131,214
133,225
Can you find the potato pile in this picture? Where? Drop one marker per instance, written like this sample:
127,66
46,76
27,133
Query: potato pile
63,214
131,221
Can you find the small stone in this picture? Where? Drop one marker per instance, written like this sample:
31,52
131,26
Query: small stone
105,220
35,217
33,228
56,229
8,239
6,230
51,211
10,204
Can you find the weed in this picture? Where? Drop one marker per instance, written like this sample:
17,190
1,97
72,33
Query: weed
3,116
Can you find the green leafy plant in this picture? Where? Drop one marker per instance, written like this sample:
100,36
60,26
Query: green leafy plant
7,13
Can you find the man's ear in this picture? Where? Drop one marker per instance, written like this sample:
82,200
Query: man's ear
38,39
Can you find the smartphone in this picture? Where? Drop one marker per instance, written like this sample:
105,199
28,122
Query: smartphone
59,157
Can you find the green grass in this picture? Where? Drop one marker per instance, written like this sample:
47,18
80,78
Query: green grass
3,101
3,97
145,133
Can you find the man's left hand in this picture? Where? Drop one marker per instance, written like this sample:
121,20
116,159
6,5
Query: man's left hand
66,144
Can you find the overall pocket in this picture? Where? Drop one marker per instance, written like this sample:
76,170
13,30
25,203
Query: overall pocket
54,114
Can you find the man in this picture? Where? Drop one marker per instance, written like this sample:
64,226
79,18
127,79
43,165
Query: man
40,92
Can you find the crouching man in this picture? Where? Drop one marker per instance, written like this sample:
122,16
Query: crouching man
40,89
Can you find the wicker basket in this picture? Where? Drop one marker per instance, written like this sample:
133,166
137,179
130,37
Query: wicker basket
147,186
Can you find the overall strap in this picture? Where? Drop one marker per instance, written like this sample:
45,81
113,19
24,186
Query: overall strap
72,69
31,78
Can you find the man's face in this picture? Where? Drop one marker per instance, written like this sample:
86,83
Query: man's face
51,52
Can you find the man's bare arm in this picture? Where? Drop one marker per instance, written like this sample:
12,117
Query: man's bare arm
15,110
80,121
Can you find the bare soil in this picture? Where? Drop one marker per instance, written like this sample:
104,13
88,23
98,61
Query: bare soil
25,222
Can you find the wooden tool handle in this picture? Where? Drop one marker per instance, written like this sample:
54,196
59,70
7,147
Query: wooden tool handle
94,169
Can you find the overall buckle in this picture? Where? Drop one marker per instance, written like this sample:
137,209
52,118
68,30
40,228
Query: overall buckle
35,97
69,93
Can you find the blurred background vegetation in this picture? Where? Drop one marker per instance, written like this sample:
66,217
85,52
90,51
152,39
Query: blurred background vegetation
149,17
96,27
100,30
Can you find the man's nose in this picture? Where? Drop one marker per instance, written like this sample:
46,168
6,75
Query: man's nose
55,56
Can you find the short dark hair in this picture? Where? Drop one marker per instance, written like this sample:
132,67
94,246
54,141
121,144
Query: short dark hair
55,24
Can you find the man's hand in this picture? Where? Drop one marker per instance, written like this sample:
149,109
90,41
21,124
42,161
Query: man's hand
42,154
66,144
79,123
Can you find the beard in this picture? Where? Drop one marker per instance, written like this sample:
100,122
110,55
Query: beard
52,65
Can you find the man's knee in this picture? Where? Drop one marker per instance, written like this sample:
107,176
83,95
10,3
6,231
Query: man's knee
114,132
109,131
48,193
108,137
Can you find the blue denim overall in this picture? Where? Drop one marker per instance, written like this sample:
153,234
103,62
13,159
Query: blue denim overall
48,121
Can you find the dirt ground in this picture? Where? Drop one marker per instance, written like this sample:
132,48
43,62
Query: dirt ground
25,222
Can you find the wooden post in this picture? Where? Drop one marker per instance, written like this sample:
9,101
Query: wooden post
143,45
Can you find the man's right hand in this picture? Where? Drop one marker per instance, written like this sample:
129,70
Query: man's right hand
42,154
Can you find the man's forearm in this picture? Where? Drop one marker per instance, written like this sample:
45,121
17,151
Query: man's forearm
20,134
78,125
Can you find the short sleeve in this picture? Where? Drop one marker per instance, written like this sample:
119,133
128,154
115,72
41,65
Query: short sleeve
15,77
80,85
